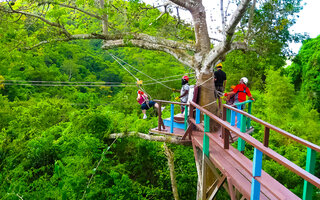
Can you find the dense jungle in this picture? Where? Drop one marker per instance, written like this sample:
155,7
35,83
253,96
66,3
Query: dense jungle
60,101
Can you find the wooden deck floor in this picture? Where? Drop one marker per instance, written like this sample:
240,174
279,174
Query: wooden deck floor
235,165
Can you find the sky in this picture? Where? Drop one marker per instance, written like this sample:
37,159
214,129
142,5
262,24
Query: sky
306,23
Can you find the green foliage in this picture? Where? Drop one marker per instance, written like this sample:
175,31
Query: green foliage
52,138
279,96
305,71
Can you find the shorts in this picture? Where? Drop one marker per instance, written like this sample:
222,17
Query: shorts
220,90
146,106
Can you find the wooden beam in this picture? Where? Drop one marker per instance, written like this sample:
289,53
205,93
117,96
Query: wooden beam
219,184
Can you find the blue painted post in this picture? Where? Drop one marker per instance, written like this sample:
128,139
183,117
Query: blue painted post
310,166
205,149
197,116
256,172
185,117
238,118
233,118
172,118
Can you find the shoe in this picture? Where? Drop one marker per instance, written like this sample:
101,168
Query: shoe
144,116
162,108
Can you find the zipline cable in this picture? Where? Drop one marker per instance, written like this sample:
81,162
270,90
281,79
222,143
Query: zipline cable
95,169
140,71
124,67
56,85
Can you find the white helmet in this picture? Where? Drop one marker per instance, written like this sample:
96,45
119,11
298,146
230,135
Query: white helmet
244,80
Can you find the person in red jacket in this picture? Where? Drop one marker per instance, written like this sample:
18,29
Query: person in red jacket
241,91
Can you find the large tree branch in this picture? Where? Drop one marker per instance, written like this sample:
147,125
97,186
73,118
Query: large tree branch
72,37
73,7
54,24
198,13
248,35
104,19
187,4
218,53
181,55
167,139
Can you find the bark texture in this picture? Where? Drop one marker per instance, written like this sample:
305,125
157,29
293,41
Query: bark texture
170,157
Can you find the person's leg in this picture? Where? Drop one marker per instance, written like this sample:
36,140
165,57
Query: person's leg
144,110
182,109
219,100
144,114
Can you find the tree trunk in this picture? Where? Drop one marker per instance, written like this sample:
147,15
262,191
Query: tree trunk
207,97
170,157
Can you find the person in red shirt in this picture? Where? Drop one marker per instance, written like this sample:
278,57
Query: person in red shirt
241,91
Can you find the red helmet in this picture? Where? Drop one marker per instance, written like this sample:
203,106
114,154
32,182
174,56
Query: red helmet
185,78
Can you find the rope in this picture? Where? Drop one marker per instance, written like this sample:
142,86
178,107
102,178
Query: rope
209,104
206,81
69,82
141,72
128,84
123,66
49,85
95,169
218,92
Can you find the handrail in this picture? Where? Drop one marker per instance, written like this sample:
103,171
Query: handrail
258,145
241,103
171,102
270,126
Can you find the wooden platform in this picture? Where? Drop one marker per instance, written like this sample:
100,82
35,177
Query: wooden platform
236,166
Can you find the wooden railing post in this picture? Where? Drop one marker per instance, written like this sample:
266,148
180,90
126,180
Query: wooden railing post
224,117
191,115
256,172
266,136
159,117
310,166
172,118
185,118
226,138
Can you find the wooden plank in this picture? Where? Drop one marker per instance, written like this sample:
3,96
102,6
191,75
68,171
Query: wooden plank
269,186
226,168
269,152
270,126
268,182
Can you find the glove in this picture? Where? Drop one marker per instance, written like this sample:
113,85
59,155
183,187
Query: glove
174,90
177,98
225,94
252,99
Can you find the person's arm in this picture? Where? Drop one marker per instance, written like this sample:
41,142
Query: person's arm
185,93
233,92
249,94
224,83
138,97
